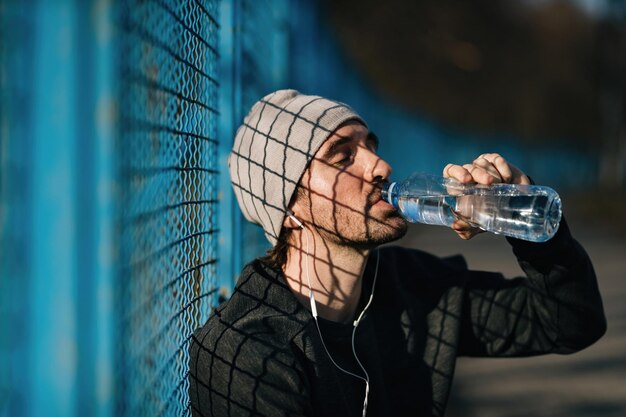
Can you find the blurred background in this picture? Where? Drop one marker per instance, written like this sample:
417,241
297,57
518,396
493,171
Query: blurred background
118,228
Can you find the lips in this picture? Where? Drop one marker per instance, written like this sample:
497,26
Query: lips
376,198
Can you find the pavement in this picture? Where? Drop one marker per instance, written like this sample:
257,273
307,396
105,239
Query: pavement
587,383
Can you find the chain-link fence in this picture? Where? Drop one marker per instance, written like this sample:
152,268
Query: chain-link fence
109,115
169,171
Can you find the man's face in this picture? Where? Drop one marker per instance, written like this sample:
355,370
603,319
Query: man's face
342,191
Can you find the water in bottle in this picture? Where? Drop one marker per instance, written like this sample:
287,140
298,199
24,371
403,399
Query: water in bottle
526,212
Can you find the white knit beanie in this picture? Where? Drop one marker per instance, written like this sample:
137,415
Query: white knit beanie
273,148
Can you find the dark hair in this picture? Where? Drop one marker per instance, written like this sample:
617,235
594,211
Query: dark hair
276,257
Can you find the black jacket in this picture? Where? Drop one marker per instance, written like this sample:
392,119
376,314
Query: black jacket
260,352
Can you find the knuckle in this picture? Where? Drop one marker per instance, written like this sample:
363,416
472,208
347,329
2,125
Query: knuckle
500,158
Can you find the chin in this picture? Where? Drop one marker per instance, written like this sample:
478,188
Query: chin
398,230
394,228
374,232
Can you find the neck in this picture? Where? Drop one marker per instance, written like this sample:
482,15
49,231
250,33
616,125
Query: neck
335,273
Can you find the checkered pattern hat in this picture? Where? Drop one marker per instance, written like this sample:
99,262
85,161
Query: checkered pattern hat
273,148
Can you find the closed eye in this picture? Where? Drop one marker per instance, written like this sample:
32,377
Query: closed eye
372,142
343,158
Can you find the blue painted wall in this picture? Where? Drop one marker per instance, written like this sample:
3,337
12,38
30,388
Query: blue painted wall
56,210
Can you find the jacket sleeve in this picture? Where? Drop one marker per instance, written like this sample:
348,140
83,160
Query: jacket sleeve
236,374
556,308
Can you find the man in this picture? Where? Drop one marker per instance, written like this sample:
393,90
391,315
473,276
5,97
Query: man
328,324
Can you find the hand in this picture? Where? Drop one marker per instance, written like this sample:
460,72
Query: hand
487,169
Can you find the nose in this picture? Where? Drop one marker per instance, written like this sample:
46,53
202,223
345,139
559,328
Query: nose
376,168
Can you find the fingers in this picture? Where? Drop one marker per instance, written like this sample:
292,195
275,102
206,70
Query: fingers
481,174
492,169
465,230
488,168
473,172
496,165
457,172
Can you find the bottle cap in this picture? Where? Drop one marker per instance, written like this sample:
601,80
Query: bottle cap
387,191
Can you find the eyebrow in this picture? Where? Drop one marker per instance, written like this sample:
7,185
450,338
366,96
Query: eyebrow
332,149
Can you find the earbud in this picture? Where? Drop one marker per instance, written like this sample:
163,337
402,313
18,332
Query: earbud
295,220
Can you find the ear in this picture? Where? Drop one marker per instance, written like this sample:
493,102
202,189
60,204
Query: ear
294,209
291,221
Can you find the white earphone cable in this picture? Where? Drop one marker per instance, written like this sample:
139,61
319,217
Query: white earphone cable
355,324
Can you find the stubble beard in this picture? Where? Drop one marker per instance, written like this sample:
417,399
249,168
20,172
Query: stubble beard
363,231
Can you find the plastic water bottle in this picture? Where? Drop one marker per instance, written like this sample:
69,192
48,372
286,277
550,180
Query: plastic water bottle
528,212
